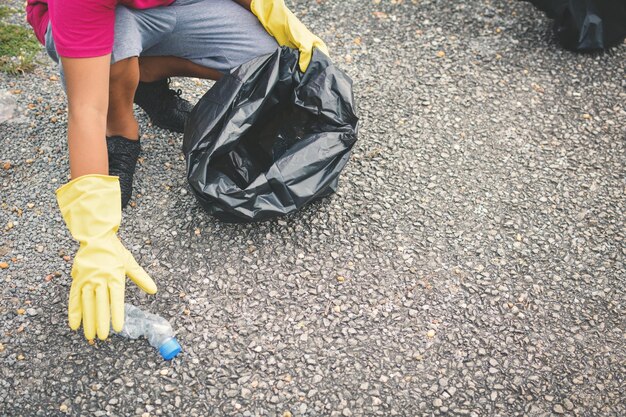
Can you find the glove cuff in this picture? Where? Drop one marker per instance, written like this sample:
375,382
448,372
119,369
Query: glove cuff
91,206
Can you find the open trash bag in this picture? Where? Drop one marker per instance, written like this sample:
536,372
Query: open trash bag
586,25
267,139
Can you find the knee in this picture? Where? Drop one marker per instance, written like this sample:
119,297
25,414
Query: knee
124,74
152,68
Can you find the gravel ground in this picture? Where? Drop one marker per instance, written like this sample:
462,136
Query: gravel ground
472,263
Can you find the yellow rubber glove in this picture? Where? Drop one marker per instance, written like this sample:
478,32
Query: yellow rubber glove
91,207
285,27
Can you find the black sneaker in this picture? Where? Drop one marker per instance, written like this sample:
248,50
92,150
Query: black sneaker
165,107
123,154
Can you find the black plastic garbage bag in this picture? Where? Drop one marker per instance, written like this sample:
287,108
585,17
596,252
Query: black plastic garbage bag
267,139
586,25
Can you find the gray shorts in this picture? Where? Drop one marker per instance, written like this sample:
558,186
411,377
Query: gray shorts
217,34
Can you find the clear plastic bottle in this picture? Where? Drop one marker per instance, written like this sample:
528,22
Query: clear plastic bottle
153,327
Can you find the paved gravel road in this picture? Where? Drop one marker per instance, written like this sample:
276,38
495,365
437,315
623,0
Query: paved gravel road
473,262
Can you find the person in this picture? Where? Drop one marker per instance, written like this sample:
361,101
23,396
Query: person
113,53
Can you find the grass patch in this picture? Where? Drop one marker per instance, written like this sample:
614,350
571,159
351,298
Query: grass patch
5,11
18,49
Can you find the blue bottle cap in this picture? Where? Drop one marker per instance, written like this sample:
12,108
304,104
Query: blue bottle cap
170,349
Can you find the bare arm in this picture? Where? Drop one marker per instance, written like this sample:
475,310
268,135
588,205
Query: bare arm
87,81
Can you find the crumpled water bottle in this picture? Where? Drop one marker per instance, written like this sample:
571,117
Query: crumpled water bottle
153,327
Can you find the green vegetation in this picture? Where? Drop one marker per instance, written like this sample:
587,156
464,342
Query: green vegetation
18,46
18,49
5,11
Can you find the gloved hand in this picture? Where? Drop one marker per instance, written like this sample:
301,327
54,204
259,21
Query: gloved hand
285,27
91,207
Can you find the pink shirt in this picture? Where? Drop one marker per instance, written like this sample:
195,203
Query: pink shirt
81,28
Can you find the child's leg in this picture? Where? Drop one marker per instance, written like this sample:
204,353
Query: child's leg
155,68
123,82
124,78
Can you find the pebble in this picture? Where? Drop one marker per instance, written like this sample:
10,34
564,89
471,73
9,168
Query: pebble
437,402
